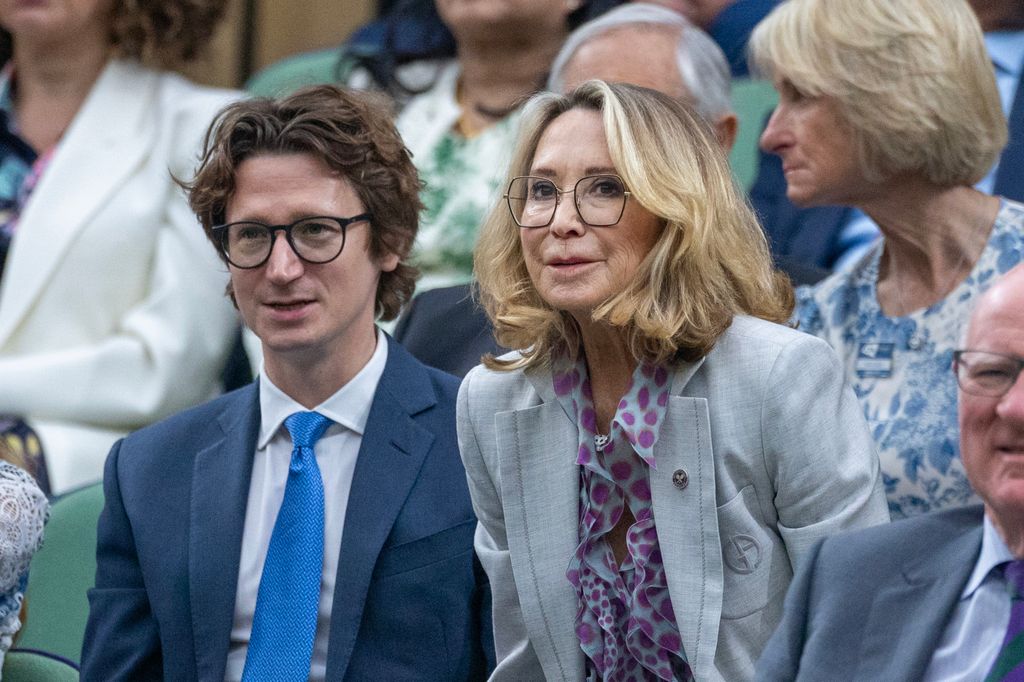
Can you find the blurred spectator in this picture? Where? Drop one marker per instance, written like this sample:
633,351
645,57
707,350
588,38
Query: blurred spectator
110,315
728,22
678,59
23,513
399,53
893,108
834,237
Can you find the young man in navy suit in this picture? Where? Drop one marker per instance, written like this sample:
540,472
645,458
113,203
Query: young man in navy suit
315,524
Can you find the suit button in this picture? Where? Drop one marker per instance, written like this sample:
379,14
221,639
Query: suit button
680,479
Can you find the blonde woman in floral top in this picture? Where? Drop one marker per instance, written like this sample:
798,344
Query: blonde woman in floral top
892,108
651,466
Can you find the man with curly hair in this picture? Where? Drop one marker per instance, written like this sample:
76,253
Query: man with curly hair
317,523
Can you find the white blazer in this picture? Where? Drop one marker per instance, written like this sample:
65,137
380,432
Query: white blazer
112,306
776,455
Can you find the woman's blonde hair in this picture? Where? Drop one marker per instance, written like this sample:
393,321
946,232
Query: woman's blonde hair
911,77
710,262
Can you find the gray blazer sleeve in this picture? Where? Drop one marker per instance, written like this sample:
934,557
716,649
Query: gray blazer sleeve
516,659
818,449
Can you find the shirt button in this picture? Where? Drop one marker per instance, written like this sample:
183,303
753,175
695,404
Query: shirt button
680,479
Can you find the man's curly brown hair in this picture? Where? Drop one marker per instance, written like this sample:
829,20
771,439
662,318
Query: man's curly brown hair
352,133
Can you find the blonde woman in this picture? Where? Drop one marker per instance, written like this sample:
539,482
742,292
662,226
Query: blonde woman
652,465
892,108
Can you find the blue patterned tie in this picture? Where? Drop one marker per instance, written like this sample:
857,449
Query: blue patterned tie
284,624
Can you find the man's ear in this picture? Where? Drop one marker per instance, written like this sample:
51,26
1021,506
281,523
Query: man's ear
725,130
388,262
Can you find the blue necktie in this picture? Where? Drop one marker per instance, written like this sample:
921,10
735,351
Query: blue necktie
284,623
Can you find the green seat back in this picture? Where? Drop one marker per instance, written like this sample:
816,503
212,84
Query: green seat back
61,572
752,100
29,666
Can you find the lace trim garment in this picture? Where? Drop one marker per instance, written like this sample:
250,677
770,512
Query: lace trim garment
23,514
625,622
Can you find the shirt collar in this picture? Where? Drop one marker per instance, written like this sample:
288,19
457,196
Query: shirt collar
993,552
1006,49
348,408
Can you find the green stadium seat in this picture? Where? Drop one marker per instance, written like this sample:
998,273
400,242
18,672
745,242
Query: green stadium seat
752,100
37,666
60,574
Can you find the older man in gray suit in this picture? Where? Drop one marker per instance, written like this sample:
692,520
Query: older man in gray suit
937,597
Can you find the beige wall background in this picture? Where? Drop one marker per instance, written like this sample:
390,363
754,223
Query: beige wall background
261,32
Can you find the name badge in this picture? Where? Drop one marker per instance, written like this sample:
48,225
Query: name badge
874,360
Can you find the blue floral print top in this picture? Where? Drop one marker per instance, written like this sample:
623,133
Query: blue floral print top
900,367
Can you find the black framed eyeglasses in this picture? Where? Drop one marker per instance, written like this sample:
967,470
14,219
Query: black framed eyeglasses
317,239
980,372
600,200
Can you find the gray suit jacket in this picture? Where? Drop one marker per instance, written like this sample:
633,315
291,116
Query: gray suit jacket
777,455
873,605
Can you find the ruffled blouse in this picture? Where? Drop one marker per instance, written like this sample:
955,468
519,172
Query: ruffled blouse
625,622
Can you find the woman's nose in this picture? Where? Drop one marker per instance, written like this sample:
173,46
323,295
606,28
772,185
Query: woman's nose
567,220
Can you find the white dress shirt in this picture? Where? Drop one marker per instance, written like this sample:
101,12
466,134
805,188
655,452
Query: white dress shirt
974,634
336,454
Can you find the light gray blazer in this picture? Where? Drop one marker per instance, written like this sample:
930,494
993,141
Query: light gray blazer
776,454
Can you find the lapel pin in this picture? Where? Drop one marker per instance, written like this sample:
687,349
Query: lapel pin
680,479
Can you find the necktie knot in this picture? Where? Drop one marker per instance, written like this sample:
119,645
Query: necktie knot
1013,571
306,428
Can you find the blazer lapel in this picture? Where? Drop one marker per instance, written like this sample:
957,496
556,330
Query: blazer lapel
924,596
540,490
220,492
105,142
687,521
390,457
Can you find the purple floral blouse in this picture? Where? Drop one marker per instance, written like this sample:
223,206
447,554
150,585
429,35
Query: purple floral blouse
625,622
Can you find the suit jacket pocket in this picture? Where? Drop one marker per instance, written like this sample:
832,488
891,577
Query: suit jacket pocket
423,551
747,553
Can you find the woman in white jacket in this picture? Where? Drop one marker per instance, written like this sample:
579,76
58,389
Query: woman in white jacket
112,311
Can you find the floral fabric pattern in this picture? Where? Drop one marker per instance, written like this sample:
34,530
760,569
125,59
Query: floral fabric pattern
900,367
462,179
625,622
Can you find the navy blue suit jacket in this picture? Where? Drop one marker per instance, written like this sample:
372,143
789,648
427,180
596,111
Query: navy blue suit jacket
873,604
410,601
811,235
